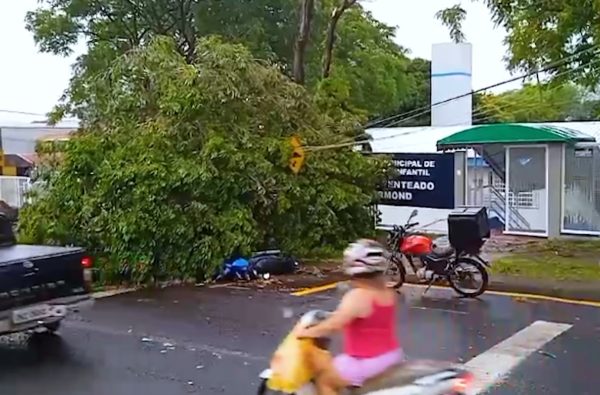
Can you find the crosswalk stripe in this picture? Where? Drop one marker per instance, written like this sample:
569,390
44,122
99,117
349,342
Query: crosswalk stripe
495,364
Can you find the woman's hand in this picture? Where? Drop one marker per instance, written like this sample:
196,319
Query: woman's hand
352,306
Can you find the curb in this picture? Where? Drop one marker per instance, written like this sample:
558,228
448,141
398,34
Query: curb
585,294
112,292
577,291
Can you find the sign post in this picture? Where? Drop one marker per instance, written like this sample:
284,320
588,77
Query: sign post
420,180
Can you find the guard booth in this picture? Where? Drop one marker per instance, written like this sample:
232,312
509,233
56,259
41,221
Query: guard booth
525,174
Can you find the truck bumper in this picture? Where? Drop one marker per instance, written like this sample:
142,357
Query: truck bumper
58,310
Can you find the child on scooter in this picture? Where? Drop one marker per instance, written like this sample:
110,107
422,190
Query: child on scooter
367,319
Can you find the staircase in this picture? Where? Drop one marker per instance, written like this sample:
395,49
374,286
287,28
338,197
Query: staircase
497,205
497,198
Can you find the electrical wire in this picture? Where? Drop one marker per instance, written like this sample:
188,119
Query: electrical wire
415,113
29,113
411,114
365,141
396,123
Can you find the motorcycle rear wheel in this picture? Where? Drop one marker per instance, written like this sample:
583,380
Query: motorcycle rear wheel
462,263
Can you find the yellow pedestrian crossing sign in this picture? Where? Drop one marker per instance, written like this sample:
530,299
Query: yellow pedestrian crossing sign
298,155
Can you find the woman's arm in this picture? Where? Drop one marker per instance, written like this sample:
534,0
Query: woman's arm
350,307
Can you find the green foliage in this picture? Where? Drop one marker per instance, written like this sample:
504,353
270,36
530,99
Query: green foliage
370,71
370,64
419,75
536,103
178,164
541,33
453,18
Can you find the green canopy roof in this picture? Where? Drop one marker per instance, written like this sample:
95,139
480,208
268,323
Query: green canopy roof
512,133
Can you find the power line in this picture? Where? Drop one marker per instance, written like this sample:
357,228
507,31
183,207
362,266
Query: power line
364,141
417,112
29,113
22,112
396,123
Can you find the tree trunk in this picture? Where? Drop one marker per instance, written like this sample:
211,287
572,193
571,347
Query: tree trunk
330,38
306,15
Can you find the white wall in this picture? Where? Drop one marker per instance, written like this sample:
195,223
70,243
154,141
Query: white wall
23,140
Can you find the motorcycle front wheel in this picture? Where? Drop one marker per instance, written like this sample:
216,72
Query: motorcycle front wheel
395,273
465,270
262,388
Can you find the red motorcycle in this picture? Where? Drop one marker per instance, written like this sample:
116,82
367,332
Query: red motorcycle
437,262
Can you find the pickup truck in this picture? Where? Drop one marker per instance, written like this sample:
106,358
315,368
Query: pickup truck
40,285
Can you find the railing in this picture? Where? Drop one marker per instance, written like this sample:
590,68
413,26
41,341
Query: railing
497,203
496,168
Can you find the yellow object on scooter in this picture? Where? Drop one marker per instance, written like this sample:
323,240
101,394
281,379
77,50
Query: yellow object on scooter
290,369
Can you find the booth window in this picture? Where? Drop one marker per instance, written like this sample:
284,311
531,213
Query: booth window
582,190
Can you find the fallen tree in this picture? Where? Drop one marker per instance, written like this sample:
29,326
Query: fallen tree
179,164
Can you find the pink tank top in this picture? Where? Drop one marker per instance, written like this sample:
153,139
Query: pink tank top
373,335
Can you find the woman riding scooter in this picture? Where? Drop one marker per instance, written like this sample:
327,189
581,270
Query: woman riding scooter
367,318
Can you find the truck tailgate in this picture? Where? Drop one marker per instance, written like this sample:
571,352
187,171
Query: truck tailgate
31,274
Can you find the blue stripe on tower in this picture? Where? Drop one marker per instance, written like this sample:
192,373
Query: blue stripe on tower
451,74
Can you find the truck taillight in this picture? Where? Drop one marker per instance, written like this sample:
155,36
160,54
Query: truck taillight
86,262
462,384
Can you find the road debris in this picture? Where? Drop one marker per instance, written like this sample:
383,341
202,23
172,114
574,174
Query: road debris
547,354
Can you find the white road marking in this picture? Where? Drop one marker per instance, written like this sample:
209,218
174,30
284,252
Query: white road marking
494,364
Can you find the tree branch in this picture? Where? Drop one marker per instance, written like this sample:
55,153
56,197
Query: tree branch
330,37
306,16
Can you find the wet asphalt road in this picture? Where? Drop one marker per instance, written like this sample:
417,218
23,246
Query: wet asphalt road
216,341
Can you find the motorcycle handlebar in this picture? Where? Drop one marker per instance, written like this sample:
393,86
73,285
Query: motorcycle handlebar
412,225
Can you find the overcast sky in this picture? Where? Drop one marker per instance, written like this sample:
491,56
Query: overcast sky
33,82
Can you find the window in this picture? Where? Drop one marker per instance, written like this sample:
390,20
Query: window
582,190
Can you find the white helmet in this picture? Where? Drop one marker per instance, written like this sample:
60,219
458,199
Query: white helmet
365,256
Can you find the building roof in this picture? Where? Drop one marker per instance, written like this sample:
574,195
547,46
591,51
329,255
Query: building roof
512,133
20,160
423,139
34,122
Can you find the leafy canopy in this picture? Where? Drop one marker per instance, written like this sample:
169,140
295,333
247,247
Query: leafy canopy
180,164
371,75
535,103
547,32
558,35
453,18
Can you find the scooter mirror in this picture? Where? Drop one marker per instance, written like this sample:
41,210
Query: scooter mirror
414,213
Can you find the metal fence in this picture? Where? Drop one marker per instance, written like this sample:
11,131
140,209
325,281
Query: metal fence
13,190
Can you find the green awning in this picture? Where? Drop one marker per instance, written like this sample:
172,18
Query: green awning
512,133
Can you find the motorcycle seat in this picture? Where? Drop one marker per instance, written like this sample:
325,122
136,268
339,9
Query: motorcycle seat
442,252
400,375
